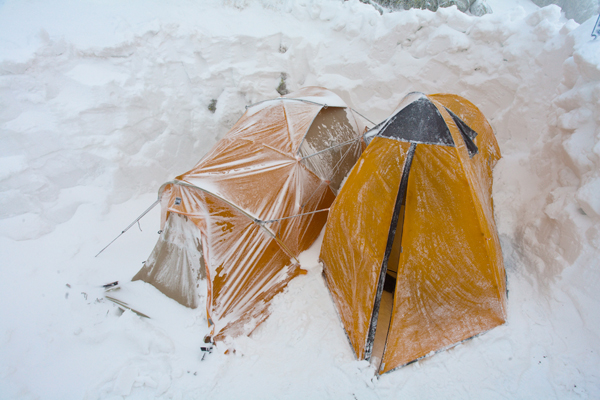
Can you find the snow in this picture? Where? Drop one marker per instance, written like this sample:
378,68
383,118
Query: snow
102,102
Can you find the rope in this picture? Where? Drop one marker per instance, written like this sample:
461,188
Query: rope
334,170
362,116
260,222
332,147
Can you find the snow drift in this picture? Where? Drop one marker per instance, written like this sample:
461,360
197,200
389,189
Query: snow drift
101,103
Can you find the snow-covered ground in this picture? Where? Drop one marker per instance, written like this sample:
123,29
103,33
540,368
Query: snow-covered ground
101,102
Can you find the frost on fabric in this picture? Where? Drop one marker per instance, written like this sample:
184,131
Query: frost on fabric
176,264
331,156
258,172
82,157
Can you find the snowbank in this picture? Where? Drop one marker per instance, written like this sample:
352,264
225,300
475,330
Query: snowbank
101,103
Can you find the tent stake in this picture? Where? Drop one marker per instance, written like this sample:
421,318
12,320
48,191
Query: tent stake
130,225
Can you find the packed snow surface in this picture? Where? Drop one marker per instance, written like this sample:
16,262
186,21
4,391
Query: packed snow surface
101,102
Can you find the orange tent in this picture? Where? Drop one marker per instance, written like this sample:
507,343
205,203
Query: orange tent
243,214
411,254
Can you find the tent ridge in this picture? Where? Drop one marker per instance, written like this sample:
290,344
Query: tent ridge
479,210
291,99
287,123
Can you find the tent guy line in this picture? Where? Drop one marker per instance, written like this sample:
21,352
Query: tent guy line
260,222
334,170
130,225
331,148
256,220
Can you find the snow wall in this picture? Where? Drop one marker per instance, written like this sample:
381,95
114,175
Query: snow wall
101,103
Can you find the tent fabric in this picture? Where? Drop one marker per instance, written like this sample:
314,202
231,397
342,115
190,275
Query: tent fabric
176,263
260,197
435,233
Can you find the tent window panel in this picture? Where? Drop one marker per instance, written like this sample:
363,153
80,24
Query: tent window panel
331,147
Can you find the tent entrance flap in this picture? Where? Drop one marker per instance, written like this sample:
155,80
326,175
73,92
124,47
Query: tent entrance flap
177,262
384,298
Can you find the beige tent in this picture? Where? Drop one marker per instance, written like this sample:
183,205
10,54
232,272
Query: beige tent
244,213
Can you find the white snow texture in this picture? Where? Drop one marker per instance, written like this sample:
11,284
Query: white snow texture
101,102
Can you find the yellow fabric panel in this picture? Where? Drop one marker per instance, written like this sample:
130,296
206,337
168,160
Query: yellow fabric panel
447,288
489,151
285,189
478,172
357,232
472,116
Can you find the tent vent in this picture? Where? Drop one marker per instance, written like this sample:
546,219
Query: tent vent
466,132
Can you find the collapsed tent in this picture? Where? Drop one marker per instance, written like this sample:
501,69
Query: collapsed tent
243,214
410,253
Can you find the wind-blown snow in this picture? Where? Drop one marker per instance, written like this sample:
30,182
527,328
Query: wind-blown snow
100,103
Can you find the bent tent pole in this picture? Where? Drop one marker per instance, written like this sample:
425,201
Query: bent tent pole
130,225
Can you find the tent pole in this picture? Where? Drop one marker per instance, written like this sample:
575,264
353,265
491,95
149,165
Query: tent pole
130,225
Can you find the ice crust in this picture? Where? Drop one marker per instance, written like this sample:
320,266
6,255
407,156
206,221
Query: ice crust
100,103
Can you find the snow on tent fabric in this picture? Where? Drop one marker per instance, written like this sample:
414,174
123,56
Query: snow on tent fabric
411,254
244,213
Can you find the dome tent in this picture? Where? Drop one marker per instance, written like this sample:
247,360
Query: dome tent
423,269
243,214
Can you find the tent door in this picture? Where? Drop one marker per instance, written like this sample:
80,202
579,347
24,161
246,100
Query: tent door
384,299
177,262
